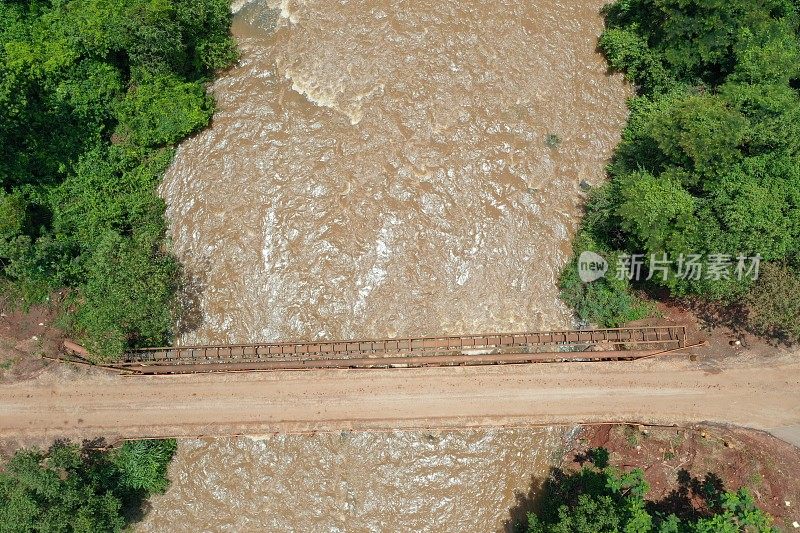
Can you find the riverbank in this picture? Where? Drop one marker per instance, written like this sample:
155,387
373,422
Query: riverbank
482,479
673,459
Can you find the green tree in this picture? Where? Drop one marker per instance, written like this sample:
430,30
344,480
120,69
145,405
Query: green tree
607,302
657,213
162,110
709,161
127,296
773,303
70,490
93,95
601,499
143,464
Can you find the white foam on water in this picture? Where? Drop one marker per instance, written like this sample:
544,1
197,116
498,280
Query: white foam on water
237,5
269,234
325,95
285,11
377,274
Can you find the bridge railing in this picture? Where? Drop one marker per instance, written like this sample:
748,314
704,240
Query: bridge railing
655,337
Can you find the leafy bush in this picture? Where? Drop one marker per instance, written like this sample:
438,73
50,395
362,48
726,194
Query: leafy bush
93,93
69,489
708,163
599,499
143,464
163,110
773,303
127,295
606,302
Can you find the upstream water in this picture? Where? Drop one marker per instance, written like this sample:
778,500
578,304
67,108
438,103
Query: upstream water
384,168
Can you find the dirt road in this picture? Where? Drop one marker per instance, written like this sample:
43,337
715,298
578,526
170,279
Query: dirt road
752,393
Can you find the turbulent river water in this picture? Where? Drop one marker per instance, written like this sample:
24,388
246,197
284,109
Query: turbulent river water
401,481
384,168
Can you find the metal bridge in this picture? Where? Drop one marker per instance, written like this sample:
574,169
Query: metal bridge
496,348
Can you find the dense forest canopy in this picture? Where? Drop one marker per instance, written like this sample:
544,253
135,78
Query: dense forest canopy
93,96
709,162
68,488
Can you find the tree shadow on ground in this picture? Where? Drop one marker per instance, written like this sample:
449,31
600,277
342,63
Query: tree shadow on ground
597,456
717,314
692,499
733,316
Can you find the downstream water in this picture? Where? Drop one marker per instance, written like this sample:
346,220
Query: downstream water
376,169
356,482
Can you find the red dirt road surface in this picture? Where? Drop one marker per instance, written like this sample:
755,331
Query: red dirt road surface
755,392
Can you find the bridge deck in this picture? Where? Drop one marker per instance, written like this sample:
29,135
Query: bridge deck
666,337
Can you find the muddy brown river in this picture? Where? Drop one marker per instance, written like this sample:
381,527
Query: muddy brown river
377,169
355,482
